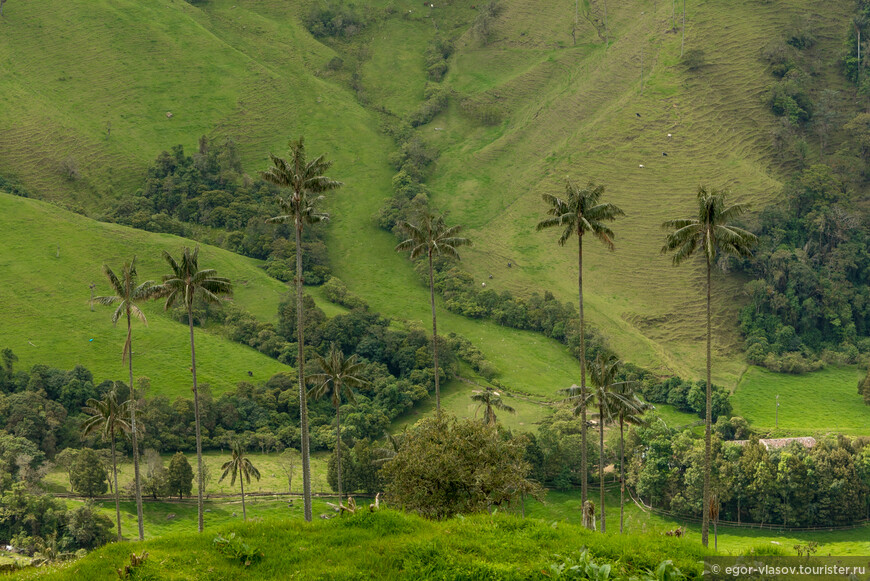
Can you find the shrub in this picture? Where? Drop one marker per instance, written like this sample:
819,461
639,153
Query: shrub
447,466
694,59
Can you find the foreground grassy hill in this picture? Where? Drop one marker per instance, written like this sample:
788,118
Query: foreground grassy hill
384,545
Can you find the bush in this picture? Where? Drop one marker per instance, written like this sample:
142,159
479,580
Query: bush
694,59
335,19
447,466
336,292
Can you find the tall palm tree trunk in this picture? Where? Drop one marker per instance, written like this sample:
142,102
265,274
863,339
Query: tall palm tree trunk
134,436
300,365
244,512
338,451
621,475
117,497
434,335
199,483
705,520
601,464
584,469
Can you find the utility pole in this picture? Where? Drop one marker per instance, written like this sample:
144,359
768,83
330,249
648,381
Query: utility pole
92,286
641,70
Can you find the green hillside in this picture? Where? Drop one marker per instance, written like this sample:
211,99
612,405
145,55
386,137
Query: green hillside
48,259
250,70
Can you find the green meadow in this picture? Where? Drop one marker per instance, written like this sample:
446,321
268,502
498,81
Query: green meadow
823,402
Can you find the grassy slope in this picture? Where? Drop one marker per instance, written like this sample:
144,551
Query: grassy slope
44,301
815,403
248,71
260,47
572,111
385,545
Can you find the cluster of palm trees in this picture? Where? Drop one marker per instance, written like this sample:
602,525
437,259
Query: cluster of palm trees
710,233
578,213
185,284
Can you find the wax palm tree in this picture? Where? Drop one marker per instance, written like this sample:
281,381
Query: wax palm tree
490,400
127,294
185,284
710,233
240,466
338,376
627,409
607,397
108,417
581,212
430,236
305,182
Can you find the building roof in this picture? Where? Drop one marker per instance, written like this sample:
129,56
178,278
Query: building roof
777,443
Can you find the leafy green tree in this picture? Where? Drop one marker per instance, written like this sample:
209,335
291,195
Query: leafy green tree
108,418
490,400
154,483
446,466
65,459
710,233
127,294
12,450
430,236
179,476
306,183
581,212
88,474
185,284
87,528
240,465
9,360
338,376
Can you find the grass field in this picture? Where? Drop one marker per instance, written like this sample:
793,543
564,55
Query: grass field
826,401
272,477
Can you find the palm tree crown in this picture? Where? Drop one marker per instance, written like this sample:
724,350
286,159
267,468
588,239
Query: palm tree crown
127,294
431,236
710,233
338,374
306,182
187,282
490,400
240,465
581,211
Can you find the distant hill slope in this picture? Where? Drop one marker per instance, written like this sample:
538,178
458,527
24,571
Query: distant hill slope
48,259
87,86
